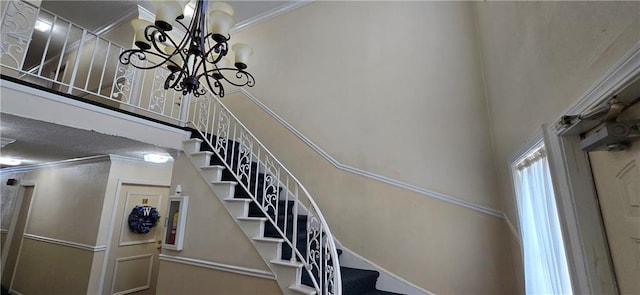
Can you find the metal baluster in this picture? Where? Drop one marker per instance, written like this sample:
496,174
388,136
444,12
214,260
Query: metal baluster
213,121
255,187
141,87
233,147
46,46
115,75
64,48
294,237
104,68
93,56
77,62
286,208
320,270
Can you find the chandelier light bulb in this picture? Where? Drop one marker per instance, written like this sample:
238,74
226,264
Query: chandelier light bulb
167,12
242,53
222,6
139,26
220,23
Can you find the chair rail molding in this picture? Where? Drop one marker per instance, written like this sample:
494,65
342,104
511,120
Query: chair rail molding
368,174
219,266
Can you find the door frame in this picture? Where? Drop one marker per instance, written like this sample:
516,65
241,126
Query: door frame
116,201
588,255
14,218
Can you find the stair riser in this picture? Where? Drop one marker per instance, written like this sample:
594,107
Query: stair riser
252,228
212,174
224,190
200,159
191,146
269,250
238,209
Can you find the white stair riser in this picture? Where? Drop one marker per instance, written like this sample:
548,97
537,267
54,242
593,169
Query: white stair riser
191,146
253,228
212,173
224,190
238,209
201,159
287,276
269,250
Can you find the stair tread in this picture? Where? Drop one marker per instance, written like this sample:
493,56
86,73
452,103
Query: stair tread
192,140
303,289
232,200
358,281
287,263
252,218
224,182
202,152
212,167
268,239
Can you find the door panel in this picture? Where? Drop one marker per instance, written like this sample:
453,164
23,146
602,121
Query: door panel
133,259
617,179
16,236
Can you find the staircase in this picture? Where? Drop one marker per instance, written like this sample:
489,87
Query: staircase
272,214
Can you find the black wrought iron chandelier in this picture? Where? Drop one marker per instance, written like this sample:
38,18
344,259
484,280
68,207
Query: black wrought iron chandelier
200,57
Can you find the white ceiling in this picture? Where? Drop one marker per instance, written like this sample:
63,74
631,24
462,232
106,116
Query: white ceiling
96,14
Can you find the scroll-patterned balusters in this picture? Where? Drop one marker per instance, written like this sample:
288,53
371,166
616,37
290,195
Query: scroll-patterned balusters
244,158
122,86
222,133
17,28
158,95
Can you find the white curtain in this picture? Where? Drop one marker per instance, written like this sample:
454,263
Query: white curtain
545,262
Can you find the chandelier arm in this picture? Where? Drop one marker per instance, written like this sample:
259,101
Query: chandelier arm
207,77
221,49
125,58
173,77
241,75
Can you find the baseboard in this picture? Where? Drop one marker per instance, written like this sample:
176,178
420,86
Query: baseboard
387,281
219,266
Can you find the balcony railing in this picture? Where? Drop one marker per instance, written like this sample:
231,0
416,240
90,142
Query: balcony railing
42,48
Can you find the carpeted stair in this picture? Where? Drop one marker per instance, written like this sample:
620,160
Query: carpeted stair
354,281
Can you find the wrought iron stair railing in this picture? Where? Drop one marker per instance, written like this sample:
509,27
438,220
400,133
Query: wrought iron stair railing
281,198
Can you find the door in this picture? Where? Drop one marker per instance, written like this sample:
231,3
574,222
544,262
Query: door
133,256
15,240
617,179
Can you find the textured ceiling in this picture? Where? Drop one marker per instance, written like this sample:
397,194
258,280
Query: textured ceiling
41,142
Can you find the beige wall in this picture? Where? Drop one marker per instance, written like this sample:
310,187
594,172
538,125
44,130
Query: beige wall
444,248
211,235
66,206
394,88
177,278
539,58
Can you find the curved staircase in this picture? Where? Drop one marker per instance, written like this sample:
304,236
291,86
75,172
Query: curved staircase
267,211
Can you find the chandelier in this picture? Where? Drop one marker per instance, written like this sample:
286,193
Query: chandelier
200,55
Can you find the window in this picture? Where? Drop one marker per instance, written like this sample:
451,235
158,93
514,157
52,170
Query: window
545,263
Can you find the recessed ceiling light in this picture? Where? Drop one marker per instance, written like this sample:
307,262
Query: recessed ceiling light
42,26
157,158
10,161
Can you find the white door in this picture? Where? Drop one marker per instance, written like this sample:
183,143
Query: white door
133,257
617,179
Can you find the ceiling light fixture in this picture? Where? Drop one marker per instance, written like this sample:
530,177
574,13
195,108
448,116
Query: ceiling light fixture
42,26
10,161
199,57
157,158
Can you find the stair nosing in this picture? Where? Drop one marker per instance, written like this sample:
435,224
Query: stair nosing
287,263
212,167
303,289
224,182
268,239
201,152
193,139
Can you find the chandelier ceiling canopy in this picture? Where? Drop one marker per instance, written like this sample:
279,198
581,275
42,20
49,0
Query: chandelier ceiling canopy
200,56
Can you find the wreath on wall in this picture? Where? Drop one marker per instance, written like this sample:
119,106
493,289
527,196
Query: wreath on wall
142,219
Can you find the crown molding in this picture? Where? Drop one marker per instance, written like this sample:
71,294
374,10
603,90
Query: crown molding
269,14
70,162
